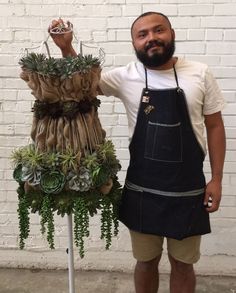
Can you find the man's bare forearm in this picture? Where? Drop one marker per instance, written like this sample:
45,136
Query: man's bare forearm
216,145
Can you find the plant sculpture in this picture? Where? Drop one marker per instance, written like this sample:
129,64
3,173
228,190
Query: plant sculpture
70,167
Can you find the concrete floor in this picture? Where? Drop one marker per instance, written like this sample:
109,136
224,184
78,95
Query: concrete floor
56,281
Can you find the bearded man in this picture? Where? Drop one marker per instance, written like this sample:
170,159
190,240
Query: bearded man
169,101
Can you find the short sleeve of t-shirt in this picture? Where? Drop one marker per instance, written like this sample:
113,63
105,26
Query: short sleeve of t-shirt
214,100
110,82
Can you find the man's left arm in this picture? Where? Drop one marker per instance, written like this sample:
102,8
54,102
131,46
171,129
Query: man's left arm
216,148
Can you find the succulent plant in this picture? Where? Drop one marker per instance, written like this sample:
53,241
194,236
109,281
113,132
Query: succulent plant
17,156
49,67
52,160
61,67
81,181
69,160
52,182
106,156
32,61
17,173
32,176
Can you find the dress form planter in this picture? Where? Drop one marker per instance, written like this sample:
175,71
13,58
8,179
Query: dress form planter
69,168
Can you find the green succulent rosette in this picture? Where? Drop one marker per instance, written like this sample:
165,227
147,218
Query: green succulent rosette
32,176
17,173
52,182
81,181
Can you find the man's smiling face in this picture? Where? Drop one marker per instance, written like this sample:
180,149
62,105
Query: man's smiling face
153,40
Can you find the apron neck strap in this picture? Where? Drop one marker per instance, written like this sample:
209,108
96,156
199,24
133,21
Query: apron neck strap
146,80
176,77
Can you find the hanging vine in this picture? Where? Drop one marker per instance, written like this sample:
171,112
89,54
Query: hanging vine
47,217
23,214
115,202
106,221
81,223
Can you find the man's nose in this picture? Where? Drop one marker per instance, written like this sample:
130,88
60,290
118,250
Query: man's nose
151,36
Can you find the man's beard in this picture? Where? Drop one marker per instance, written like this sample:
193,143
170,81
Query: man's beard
157,59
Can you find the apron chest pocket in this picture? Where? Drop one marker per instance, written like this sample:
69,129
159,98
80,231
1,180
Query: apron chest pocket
164,142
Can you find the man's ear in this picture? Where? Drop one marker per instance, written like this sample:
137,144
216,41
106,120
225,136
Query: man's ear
173,33
133,43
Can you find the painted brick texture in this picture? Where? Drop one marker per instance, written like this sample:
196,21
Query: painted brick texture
205,31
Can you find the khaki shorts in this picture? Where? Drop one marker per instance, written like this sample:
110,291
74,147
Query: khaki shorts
147,247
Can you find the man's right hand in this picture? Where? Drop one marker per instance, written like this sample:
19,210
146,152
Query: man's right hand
63,39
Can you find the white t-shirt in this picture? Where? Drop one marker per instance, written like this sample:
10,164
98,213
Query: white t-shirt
202,92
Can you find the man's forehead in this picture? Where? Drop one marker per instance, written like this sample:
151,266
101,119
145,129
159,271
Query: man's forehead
149,21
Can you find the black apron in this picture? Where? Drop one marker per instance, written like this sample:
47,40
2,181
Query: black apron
164,187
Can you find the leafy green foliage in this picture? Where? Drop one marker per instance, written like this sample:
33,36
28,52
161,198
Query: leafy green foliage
55,171
81,204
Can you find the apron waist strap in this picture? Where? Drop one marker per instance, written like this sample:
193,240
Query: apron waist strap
132,186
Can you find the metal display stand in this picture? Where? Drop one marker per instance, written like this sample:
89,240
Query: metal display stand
101,56
70,252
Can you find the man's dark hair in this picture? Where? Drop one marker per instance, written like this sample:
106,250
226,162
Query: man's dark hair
147,14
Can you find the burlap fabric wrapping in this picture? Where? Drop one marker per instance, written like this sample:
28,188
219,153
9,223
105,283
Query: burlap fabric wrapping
69,167
81,131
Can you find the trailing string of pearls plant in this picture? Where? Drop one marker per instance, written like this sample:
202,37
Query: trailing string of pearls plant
70,167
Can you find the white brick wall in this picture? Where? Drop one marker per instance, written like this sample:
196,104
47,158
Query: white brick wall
205,31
